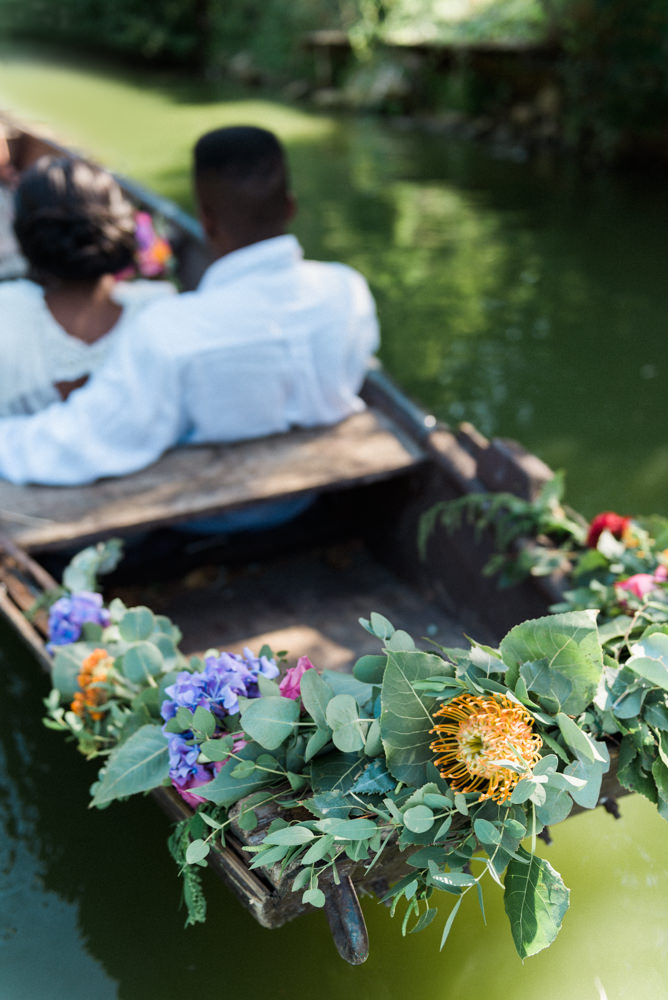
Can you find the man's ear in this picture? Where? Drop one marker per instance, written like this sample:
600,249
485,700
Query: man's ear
208,220
291,206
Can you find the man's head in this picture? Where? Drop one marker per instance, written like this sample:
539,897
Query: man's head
241,184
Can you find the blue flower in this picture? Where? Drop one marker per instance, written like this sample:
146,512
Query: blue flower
67,615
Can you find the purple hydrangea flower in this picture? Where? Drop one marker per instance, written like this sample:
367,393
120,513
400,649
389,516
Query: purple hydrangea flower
216,687
67,615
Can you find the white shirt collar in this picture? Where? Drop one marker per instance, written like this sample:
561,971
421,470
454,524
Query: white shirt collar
279,251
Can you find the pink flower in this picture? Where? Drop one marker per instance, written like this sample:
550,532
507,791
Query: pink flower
642,584
290,686
202,775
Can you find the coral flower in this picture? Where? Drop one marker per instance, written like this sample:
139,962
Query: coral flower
607,521
92,679
479,736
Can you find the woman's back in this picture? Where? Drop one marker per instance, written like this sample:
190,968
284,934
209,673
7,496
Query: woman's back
76,231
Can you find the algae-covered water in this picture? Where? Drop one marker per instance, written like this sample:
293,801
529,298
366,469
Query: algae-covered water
528,299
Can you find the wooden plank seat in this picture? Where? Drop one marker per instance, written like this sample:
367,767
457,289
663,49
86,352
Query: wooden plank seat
206,480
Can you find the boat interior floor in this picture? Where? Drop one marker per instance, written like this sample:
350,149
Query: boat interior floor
306,604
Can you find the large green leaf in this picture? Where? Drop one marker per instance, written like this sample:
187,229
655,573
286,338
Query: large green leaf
270,720
139,764
405,721
535,900
568,644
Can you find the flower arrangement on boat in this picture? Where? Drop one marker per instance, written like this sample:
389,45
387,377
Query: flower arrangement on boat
453,760
154,257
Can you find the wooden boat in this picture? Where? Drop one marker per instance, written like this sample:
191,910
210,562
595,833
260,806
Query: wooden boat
300,586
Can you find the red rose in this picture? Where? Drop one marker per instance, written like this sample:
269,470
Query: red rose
607,521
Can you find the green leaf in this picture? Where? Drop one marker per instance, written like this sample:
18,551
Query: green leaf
290,836
319,850
581,743
247,820
373,745
370,669
419,819
486,832
66,668
315,897
571,646
319,739
449,922
137,624
405,719
141,661
139,764
225,789
535,900
315,695
204,721
649,659
270,721
196,851
343,718
348,829
381,627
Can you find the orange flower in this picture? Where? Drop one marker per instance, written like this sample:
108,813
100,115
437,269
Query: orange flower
92,680
479,736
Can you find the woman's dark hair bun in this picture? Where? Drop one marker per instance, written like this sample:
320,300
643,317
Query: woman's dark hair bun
72,221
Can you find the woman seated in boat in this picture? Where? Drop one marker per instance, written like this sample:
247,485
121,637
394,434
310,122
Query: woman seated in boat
12,264
77,232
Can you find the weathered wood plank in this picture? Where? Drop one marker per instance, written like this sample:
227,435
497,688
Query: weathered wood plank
208,479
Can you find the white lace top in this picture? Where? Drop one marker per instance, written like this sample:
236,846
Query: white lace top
35,351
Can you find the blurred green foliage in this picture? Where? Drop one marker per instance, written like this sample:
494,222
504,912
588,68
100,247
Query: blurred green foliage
611,70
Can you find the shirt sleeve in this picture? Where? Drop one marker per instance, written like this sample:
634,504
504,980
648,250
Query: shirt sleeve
120,421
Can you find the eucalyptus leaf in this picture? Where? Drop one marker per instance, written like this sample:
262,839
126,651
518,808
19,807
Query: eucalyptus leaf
581,742
419,819
315,695
315,897
141,661
137,624
370,669
342,717
270,721
649,659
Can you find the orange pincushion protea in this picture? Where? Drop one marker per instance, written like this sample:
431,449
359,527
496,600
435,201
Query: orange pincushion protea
479,735
91,678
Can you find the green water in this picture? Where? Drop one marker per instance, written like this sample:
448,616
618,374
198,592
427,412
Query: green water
528,300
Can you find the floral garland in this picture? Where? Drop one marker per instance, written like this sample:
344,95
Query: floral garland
456,759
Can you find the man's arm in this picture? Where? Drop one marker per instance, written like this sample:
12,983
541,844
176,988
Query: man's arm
122,420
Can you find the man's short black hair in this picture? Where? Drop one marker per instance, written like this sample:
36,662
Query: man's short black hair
239,152
243,168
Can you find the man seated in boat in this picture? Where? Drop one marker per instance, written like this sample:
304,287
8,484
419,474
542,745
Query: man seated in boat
267,341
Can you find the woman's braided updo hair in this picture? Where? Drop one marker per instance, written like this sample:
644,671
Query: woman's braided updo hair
72,221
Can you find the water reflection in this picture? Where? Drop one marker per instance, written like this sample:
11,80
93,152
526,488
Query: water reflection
88,903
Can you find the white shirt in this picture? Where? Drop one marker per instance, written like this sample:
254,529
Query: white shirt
268,341
35,351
